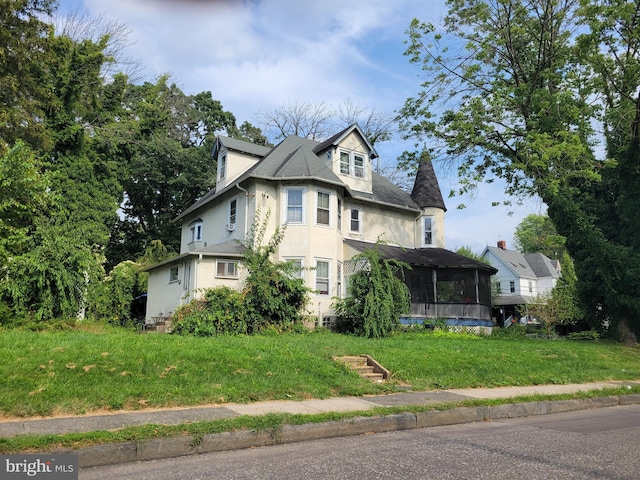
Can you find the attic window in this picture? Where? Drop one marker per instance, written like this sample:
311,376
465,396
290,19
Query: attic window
195,231
352,164
222,166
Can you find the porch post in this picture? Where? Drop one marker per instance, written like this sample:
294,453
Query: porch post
477,278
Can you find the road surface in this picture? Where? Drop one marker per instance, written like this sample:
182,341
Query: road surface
600,443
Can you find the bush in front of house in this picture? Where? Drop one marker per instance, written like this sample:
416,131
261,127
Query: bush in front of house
219,311
377,297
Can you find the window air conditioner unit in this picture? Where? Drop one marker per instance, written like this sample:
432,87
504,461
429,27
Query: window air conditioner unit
231,227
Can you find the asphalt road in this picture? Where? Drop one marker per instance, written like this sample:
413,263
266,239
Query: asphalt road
601,443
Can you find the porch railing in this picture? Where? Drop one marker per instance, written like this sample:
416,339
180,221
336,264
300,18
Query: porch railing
451,310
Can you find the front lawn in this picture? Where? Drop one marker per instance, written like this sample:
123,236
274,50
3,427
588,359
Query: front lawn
73,372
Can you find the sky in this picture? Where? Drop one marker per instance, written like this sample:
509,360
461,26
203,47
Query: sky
257,55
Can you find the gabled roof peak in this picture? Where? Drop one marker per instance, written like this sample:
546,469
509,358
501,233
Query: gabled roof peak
338,137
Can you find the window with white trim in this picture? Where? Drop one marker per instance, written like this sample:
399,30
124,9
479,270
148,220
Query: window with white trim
322,277
195,231
339,220
297,270
512,286
530,287
355,220
427,231
295,205
322,209
339,279
222,166
173,274
227,268
233,210
352,164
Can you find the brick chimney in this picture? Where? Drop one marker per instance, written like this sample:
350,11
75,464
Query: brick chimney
502,244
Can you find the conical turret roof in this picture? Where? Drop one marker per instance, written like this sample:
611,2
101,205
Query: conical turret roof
426,190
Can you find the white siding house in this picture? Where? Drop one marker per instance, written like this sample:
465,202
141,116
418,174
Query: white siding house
327,194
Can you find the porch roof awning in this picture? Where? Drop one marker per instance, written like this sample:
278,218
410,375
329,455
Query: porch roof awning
424,257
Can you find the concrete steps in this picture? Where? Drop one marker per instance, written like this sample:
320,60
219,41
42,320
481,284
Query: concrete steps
160,326
366,367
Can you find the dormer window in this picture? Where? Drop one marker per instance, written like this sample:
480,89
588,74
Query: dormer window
352,163
195,231
222,166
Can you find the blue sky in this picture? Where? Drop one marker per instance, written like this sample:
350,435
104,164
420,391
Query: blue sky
255,55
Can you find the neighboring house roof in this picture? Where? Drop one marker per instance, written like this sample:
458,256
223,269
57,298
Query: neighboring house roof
426,190
424,257
295,158
514,261
542,265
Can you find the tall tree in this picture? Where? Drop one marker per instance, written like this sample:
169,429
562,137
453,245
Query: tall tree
536,233
163,138
513,89
24,39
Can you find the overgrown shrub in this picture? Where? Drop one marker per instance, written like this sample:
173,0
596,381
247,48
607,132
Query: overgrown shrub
111,299
273,295
377,297
585,335
220,311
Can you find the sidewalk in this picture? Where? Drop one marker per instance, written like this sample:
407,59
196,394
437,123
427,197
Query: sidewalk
159,448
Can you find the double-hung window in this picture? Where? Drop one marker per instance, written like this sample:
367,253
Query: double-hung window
355,222
173,274
427,229
295,205
297,266
222,166
512,286
352,164
227,268
233,211
322,277
323,213
339,220
195,231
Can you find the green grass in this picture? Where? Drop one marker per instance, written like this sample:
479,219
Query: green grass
74,372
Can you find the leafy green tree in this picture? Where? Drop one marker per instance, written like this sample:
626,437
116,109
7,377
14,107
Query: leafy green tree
376,297
163,138
513,90
536,233
23,199
24,37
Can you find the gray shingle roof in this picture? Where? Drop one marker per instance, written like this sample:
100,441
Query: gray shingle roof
240,146
296,158
542,265
533,265
426,190
427,257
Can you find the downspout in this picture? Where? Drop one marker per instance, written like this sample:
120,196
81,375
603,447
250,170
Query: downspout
195,275
246,207
417,244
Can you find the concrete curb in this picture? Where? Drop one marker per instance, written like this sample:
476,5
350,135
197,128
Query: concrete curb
112,454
